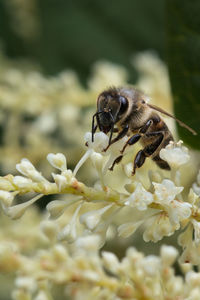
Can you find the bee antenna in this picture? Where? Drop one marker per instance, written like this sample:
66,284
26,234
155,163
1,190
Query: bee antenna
171,116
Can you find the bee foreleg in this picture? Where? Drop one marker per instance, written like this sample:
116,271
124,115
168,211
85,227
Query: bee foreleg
148,150
94,127
120,135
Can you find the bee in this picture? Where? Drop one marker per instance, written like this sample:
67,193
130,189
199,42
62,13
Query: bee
125,110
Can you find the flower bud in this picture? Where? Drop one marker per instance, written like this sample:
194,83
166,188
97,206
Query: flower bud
58,161
168,254
6,198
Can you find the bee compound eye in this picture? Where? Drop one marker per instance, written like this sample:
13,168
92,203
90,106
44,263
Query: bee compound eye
123,104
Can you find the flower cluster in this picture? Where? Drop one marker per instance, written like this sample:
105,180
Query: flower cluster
85,274
161,208
61,247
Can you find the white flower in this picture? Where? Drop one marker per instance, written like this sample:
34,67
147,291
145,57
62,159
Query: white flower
46,122
6,198
19,294
132,262
198,178
111,261
27,283
98,145
191,254
196,188
90,275
196,185
49,229
26,168
69,177
196,226
88,243
58,161
127,229
140,198
5,184
175,154
159,226
168,254
60,181
193,198
60,253
69,232
151,265
191,250
128,169
185,238
92,218
22,182
42,295
97,160
193,279
101,230
100,141
57,207
166,191
178,211
17,211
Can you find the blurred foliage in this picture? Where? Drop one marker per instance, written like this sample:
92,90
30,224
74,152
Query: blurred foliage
184,63
75,34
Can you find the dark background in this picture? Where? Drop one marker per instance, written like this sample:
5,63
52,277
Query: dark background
75,34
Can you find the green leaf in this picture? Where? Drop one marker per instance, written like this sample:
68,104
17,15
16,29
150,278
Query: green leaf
183,33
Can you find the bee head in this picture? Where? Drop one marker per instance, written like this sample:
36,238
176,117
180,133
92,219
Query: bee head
110,108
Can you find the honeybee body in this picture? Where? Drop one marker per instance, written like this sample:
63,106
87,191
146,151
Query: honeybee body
137,120
126,111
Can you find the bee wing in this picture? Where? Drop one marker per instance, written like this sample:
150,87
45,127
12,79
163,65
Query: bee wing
171,116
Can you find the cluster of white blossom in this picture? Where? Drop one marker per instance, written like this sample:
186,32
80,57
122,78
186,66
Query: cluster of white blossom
162,207
81,273
64,252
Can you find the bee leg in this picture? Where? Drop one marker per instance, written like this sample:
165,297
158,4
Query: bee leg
120,135
161,163
116,161
135,138
94,127
148,150
139,160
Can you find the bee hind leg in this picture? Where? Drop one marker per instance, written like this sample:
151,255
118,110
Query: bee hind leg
139,160
148,150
